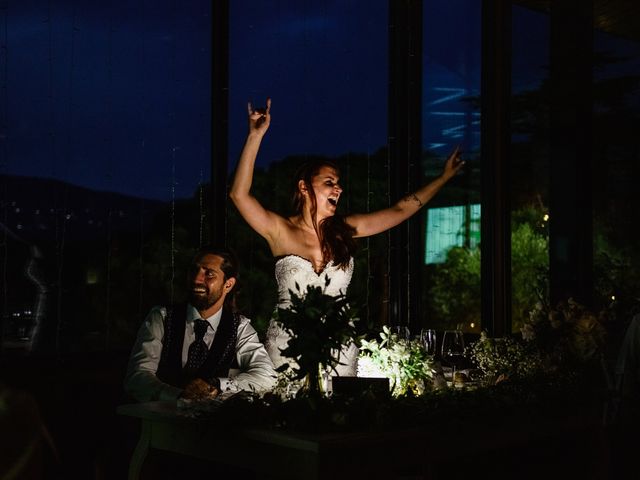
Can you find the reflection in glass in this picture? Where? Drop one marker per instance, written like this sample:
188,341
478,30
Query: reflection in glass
529,163
429,340
450,117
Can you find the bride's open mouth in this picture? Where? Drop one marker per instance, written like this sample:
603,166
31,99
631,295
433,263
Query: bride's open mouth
333,201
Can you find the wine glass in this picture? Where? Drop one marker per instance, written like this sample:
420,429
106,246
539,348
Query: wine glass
428,340
453,351
401,332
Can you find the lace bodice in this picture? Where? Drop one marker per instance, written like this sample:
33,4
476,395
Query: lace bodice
292,269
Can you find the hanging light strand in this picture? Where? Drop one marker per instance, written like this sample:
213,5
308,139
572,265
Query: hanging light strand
72,60
386,300
174,148
142,148
173,225
109,173
4,160
4,65
58,203
201,208
69,156
368,239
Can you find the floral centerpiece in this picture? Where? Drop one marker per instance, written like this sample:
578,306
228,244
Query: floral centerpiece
404,362
556,340
528,364
319,325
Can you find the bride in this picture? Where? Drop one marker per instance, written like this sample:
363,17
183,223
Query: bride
316,244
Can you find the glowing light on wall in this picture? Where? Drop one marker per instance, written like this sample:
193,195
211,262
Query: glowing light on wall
446,227
92,277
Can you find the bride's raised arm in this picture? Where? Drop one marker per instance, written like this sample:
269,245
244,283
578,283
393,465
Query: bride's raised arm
367,224
263,221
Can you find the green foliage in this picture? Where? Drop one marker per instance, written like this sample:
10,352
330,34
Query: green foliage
403,361
616,266
568,334
529,271
454,296
319,325
524,402
560,341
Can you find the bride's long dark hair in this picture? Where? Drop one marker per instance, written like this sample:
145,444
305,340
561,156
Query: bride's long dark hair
335,234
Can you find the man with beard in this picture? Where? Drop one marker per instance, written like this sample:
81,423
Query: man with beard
201,348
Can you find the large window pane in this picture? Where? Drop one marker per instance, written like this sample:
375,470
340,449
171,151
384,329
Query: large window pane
324,64
105,149
529,163
451,117
615,145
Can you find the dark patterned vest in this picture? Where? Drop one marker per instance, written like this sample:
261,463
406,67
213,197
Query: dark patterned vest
222,353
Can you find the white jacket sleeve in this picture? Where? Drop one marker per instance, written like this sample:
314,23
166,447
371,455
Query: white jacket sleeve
141,381
256,372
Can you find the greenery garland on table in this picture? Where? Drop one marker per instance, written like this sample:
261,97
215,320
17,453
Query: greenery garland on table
525,395
550,371
550,397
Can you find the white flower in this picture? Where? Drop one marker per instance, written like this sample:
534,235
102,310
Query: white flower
404,362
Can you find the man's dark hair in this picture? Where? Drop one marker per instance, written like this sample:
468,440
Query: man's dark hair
230,260
229,266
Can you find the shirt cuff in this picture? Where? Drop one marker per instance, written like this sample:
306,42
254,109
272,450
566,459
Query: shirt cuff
228,385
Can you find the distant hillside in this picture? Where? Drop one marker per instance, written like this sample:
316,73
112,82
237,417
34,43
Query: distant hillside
37,209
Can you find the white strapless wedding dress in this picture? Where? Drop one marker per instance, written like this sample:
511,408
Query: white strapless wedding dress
291,270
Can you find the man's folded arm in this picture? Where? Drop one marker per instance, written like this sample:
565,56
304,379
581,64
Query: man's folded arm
141,381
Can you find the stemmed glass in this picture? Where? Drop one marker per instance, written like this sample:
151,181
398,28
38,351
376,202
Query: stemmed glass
428,340
453,351
401,332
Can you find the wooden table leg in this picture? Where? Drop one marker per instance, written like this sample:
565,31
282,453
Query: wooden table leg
140,453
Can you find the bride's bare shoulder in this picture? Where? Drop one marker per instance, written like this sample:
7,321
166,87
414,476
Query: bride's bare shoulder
285,234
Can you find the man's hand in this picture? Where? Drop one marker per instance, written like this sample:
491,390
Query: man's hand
198,389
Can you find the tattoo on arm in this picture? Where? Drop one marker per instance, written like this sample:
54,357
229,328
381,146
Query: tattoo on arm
413,197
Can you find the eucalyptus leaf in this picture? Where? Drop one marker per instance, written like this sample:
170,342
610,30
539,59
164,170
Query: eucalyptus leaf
319,324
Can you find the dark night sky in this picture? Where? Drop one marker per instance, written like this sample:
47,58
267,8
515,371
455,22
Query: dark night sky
116,95
325,66
110,95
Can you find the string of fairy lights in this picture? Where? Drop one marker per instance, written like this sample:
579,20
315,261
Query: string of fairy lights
4,155
109,175
142,145
174,149
59,208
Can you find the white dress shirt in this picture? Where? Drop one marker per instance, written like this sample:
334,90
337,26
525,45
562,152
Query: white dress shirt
255,370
